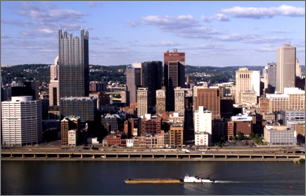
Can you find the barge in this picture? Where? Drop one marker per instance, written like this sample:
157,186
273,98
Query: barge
153,181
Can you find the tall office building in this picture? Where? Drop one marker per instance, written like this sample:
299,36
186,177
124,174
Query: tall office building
21,121
161,101
54,99
33,88
142,102
73,60
133,81
208,98
246,80
151,78
202,126
298,71
265,77
174,74
179,100
286,67
271,77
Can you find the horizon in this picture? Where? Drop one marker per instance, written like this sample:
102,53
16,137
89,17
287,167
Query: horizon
240,32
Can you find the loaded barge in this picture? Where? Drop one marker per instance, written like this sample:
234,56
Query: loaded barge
187,178
153,181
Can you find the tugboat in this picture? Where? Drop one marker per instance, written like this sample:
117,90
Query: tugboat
196,179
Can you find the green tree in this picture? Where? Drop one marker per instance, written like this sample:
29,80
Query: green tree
252,135
240,136
234,138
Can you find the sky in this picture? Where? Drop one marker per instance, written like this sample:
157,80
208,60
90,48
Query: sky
211,33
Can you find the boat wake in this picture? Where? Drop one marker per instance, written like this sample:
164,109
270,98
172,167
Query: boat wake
227,181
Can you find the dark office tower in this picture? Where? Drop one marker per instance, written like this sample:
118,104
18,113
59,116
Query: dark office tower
33,88
271,77
133,81
176,78
73,65
174,74
151,78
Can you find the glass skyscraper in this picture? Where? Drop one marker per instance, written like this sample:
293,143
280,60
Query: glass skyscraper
73,65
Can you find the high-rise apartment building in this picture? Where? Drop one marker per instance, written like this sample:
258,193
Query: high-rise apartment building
151,78
209,98
246,80
73,60
174,74
142,102
286,67
133,81
271,77
161,101
21,121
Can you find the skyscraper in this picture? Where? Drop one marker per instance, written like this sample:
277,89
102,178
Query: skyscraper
142,102
286,68
21,121
73,60
246,80
133,81
161,101
271,77
54,99
151,78
174,74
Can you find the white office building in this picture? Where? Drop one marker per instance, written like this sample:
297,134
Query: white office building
72,137
279,135
21,121
202,126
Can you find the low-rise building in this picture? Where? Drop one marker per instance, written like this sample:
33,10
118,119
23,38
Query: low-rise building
279,135
72,137
176,134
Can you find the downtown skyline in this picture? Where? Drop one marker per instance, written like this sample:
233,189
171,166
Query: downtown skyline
242,33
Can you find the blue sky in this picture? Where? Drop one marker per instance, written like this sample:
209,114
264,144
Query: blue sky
222,33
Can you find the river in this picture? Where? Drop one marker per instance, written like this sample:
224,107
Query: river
107,178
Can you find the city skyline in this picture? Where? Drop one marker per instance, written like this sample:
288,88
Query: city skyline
243,33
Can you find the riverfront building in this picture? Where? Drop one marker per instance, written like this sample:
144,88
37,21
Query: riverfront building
202,126
243,124
279,135
69,123
21,121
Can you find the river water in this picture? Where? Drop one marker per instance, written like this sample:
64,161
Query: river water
107,178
